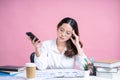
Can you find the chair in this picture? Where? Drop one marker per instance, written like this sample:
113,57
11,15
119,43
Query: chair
32,55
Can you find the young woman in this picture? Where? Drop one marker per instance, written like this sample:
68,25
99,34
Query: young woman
62,53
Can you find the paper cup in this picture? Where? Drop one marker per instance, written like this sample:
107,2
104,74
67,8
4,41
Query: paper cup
30,71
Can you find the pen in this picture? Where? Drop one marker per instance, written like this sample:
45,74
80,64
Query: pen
92,60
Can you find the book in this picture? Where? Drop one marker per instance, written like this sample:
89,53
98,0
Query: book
107,69
108,75
9,72
108,63
12,68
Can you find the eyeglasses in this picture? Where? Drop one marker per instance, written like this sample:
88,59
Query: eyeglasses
67,33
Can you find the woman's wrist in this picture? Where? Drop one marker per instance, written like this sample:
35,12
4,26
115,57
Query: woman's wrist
37,51
79,49
78,46
36,47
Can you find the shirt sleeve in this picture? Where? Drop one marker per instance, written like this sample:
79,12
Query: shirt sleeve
80,60
42,60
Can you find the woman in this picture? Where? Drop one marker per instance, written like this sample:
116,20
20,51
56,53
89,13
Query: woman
64,52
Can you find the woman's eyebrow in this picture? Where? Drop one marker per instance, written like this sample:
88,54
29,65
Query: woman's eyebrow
66,30
62,27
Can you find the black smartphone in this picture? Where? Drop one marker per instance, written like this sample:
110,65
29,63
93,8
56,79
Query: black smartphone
32,36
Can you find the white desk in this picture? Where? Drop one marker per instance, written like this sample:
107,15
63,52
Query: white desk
22,76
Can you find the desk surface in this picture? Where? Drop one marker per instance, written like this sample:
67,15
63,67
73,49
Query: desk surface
22,76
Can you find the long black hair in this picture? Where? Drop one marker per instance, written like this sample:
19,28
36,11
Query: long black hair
71,48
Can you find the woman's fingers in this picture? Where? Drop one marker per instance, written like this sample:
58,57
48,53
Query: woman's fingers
34,42
75,40
76,36
74,33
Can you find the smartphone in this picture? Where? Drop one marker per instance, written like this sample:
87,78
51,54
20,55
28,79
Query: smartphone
32,36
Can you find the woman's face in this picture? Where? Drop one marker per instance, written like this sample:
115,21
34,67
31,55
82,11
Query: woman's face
64,32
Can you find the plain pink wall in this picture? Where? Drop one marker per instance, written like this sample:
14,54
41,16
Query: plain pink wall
98,20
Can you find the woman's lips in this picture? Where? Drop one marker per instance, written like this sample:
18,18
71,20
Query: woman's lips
62,38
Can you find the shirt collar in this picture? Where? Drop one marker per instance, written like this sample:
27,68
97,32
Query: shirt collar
55,47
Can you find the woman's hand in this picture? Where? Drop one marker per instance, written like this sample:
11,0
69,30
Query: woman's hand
76,39
35,43
77,44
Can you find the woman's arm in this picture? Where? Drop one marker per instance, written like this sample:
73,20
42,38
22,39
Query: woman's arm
40,58
81,54
36,45
77,44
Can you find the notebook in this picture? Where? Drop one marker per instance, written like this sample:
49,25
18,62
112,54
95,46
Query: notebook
12,68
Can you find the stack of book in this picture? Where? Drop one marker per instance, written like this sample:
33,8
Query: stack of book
108,68
11,70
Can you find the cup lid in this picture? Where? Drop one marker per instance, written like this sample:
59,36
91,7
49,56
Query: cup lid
30,65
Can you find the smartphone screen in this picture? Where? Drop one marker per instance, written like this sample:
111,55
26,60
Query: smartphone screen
32,36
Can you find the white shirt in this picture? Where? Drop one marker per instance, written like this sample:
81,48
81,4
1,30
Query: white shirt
51,58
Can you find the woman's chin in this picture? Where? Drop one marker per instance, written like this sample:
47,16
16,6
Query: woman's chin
61,40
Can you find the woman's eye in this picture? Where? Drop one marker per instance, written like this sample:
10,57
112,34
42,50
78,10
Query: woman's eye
68,33
61,30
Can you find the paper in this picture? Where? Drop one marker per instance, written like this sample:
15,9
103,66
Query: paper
59,73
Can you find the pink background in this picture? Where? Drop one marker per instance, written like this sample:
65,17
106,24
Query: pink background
98,20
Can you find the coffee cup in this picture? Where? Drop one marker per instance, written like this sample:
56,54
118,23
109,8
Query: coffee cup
30,71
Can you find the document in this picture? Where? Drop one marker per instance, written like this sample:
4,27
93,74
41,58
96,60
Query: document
59,73
55,74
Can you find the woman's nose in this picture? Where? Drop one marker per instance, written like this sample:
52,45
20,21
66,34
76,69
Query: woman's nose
64,33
